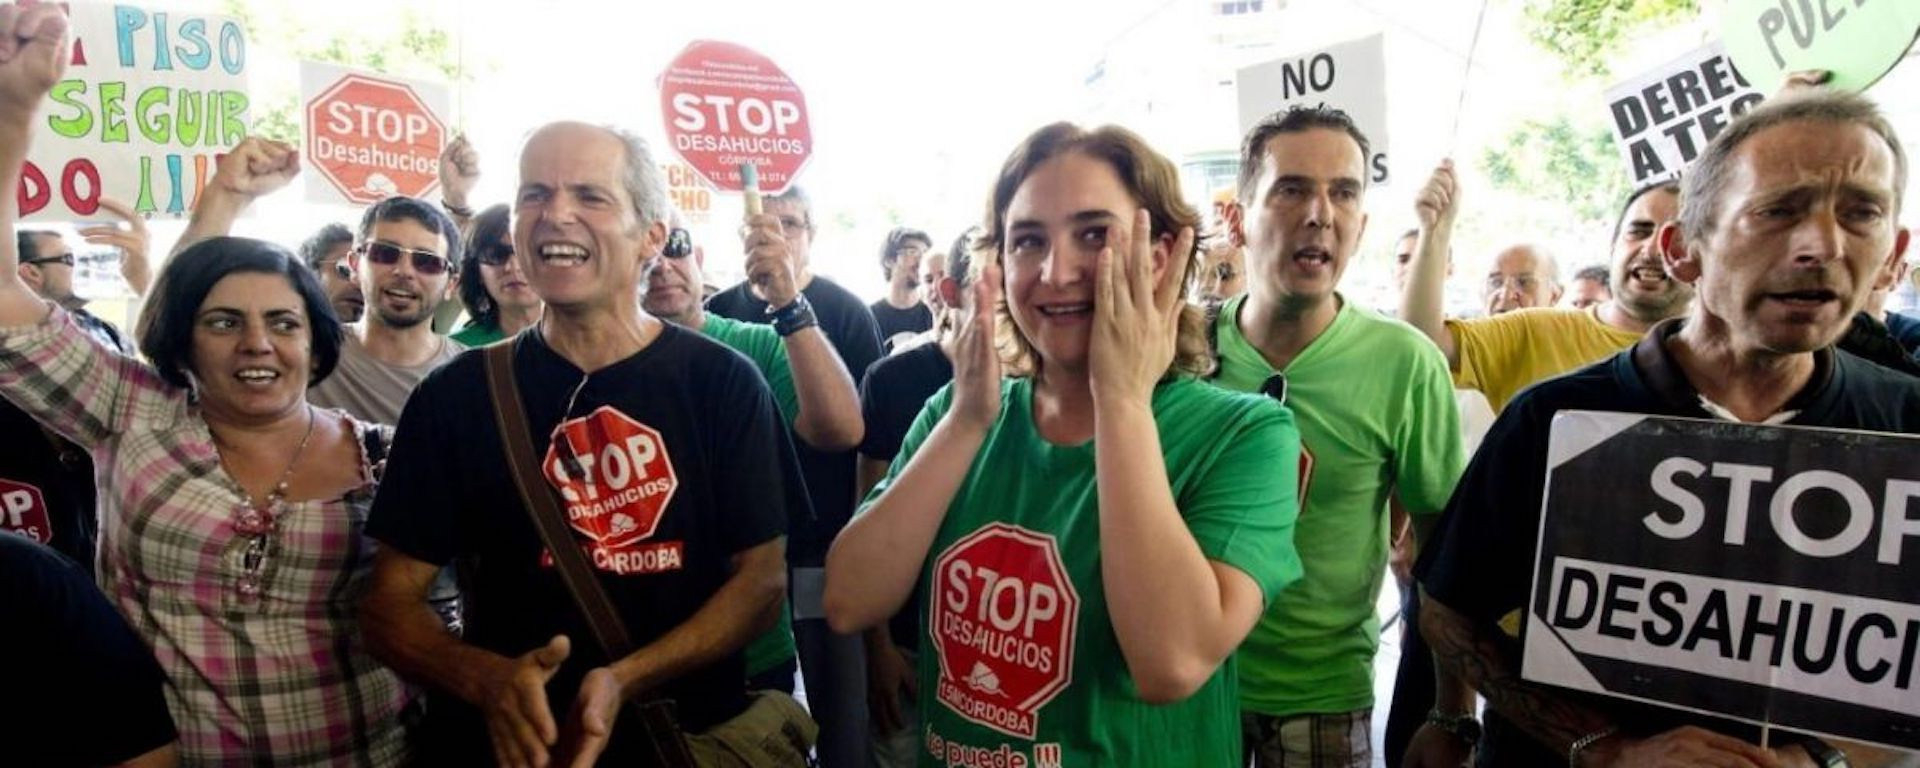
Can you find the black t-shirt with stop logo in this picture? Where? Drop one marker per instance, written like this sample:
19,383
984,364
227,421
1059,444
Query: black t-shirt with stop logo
666,463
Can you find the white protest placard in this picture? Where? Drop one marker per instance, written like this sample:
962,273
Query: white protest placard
149,99
1349,76
1759,573
1663,118
370,136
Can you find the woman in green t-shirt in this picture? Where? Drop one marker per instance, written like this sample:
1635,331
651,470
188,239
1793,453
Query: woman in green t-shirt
1096,534
498,299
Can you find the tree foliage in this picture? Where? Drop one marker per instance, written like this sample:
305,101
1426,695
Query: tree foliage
1559,160
1584,33
409,46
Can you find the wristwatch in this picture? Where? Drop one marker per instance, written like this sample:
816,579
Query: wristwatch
795,317
1464,727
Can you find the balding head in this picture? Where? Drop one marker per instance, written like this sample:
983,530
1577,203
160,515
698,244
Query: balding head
1521,276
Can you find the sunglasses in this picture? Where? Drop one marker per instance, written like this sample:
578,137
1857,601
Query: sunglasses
388,254
679,244
65,258
496,256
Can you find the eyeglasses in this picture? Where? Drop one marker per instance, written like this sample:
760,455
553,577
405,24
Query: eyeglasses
65,258
388,254
493,256
1525,283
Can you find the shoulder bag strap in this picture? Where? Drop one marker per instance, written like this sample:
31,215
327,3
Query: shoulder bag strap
538,497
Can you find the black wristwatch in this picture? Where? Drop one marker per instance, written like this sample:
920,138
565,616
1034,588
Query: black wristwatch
795,317
1464,727
1824,754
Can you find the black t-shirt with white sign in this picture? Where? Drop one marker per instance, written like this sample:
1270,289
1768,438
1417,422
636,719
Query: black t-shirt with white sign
673,461
79,687
1481,563
830,479
46,482
46,487
894,322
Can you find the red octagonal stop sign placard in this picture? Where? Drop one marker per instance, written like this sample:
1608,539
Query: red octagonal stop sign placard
24,511
615,477
1004,616
726,105
372,137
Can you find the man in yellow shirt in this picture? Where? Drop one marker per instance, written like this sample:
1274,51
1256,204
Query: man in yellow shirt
1502,355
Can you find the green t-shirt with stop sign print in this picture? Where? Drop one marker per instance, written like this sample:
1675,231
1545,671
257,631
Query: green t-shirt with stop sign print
1020,664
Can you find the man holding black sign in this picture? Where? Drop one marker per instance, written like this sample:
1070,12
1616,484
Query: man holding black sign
1789,222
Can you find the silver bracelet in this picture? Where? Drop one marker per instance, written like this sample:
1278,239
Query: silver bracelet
1581,744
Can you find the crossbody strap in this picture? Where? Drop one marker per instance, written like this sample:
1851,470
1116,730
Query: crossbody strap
538,497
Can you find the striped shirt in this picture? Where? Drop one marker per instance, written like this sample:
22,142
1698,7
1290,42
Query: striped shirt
284,678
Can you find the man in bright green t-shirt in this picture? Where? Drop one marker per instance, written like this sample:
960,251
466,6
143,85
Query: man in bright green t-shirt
810,385
1377,421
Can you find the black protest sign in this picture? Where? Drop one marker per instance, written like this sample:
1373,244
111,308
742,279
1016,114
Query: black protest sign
1663,119
1766,574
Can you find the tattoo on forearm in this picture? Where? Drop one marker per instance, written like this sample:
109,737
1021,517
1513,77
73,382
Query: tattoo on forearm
1543,713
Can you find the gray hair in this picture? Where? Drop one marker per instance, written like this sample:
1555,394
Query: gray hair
1706,182
642,178
797,195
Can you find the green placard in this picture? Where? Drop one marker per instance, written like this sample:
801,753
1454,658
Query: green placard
1858,40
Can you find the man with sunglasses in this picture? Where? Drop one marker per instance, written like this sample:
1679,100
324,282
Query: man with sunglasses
404,259
1377,425
49,481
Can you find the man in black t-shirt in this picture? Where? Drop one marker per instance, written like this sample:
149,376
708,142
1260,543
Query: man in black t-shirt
1787,218
833,665
672,464
81,689
900,314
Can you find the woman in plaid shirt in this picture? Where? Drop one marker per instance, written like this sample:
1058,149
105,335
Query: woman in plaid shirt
231,510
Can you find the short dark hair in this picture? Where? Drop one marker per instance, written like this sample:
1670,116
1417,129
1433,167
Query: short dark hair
314,249
1297,119
26,240
403,208
896,240
1707,178
1671,186
1596,273
166,322
484,237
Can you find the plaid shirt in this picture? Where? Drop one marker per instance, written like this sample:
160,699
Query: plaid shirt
283,679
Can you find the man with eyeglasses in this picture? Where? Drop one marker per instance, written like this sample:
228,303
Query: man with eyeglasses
404,258
810,385
1377,425
834,665
901,314
1521,277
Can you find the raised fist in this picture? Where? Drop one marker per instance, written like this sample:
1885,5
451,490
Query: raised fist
33,56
